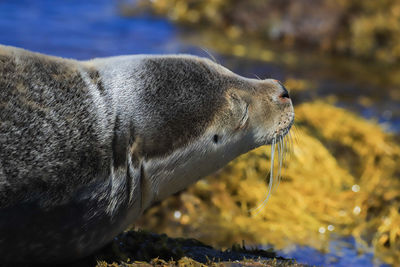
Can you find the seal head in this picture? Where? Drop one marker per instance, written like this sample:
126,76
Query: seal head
218,116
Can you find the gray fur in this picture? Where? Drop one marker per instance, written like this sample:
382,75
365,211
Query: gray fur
85,147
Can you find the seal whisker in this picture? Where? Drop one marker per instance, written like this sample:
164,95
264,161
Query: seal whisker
280,159
257,76
288,150
296,138
271,178
210,55
289,147
295,134
291,142
284,148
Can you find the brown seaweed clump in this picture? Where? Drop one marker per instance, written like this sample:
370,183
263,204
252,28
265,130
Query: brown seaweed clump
141,248
342,177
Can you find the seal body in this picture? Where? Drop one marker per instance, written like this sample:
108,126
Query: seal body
87,146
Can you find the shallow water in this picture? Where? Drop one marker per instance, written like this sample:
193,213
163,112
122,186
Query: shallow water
93,28
343,252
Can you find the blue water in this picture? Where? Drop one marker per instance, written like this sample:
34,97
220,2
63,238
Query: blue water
82,29
343,252
93,28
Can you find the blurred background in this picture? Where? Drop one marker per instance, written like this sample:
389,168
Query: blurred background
338,203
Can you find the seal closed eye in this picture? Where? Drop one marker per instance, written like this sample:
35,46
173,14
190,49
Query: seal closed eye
87,146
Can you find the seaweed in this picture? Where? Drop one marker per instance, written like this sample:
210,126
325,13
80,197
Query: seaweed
342,177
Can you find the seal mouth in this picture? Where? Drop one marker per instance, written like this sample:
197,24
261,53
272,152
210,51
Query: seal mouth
282,131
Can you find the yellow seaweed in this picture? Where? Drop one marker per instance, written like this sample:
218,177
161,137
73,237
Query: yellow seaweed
342,176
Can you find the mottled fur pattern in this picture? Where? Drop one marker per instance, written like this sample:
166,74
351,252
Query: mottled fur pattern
85,147
49,129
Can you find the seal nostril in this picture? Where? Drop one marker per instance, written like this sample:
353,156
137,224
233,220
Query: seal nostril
215,138
284,95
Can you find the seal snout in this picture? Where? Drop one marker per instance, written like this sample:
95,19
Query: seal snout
272,111
283,92
285,95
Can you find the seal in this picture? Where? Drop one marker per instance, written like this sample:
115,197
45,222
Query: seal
87,146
